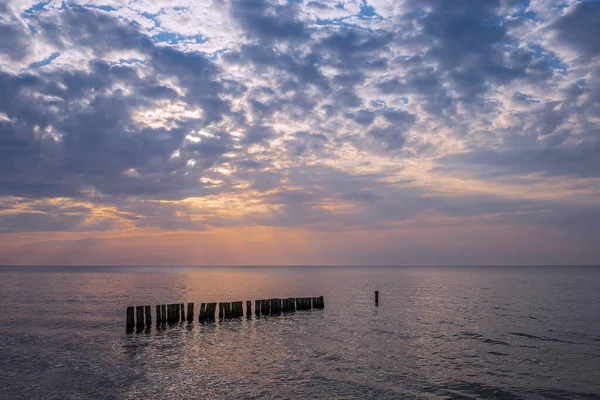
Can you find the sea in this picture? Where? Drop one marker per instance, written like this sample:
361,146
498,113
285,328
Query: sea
437,333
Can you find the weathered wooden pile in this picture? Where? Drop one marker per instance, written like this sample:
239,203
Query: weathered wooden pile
141,316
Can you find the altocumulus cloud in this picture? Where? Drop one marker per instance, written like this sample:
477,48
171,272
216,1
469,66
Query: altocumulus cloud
324,116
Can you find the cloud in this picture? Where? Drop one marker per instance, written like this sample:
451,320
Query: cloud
579,28
320,116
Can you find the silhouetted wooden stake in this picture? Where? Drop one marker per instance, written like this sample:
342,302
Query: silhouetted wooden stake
300,303
158,318
148,315
202,312
275,306
182,312
265,307
248,308
236,309
130,318
377,297
176,317
139,316
211,311
163,313
190,312
257,307
289,304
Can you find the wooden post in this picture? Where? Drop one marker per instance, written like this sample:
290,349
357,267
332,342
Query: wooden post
148,315
236,309
163,313
182,312
289,304
157,314
139,316
202,312
257,307
190,312
265,307
377,297
275,306
248,308
227,309
212,312
176,313
130,318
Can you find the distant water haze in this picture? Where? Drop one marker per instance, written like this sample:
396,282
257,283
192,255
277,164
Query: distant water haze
438,332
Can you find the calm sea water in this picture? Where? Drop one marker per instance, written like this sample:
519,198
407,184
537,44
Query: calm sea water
439,332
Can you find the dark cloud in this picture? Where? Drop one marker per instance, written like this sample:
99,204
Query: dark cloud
15,35
575,161
263,20
351,48
579,27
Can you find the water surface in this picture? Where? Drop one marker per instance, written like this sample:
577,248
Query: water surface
438,332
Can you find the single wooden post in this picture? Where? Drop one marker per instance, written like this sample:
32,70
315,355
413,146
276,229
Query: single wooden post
190,312
158,317
202,312
176,313
227,309
130,318
257,307
182,312
236,309
377,297
213,311
289,304
163,313
139,316
148,315
248,308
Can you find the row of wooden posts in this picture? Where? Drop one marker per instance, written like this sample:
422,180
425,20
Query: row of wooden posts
141,316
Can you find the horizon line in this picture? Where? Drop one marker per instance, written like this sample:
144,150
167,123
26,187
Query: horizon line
291,265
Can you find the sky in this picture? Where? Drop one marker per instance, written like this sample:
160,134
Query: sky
246,132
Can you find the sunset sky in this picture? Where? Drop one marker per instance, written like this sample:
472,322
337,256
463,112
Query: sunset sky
299,132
